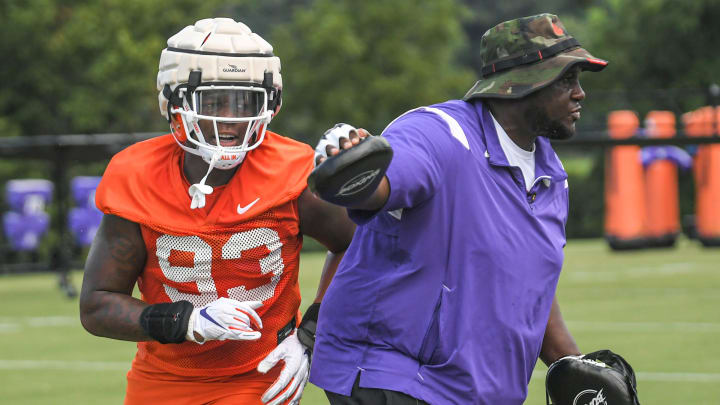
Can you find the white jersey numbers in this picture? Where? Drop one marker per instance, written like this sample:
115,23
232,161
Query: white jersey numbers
271,263
201,272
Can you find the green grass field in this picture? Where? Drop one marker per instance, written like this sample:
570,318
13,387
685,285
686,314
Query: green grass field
658,308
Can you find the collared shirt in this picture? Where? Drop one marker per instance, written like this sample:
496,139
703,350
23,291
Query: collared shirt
445,293
517,156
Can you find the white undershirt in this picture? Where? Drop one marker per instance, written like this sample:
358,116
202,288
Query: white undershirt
517,156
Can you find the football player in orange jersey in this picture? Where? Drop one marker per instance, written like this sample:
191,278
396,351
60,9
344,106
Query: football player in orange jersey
209,221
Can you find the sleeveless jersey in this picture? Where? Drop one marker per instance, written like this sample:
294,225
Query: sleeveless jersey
245,247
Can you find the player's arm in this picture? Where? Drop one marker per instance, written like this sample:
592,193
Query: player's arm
330,225
558,342
108,309
116,258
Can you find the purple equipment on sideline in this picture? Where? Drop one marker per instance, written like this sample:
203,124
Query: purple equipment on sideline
27,222
84,219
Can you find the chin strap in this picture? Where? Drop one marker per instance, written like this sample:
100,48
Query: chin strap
198,191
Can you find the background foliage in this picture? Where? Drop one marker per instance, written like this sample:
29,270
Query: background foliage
77,66
81,66
366,63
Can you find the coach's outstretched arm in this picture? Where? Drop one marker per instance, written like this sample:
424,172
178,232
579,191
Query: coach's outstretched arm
343,137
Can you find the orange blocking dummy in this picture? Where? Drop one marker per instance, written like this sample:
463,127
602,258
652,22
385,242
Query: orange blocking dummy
700,123
625,214
661,185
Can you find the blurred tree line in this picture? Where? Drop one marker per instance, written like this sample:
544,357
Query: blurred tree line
79,66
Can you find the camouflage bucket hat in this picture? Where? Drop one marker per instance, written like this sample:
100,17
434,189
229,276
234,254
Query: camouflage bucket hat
526,54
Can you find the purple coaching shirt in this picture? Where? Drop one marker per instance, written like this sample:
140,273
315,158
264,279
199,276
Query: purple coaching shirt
445,293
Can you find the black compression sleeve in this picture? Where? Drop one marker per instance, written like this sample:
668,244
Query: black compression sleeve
168,322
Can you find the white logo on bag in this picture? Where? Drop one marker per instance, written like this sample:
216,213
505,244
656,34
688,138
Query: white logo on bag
241,210
358,183
599,399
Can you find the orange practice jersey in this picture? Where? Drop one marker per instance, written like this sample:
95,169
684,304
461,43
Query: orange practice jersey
245,247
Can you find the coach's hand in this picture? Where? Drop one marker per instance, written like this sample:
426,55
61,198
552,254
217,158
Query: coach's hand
293,377
350,168
225,319
340,137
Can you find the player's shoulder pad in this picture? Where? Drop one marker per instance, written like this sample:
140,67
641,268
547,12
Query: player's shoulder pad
123,185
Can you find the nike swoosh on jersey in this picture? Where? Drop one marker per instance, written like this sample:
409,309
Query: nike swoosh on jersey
241,210
205,315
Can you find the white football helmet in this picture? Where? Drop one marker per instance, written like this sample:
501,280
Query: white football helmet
217,72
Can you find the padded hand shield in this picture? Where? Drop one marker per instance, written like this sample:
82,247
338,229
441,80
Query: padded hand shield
597,378
351,176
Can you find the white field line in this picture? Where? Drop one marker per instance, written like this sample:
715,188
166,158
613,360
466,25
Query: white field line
684,377
9,328
124,366
64,365
41,320
633,272
685,327
15,324
659,377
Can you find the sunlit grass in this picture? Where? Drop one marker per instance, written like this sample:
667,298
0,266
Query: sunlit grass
658,308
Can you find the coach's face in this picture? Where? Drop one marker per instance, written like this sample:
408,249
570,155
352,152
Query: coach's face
553,111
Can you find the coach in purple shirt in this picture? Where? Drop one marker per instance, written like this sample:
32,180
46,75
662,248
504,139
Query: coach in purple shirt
447,293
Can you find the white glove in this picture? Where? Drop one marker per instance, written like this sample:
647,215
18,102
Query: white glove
223,319
332,137
295,373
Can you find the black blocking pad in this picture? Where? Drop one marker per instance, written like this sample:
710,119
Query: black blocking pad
351,176
572,381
